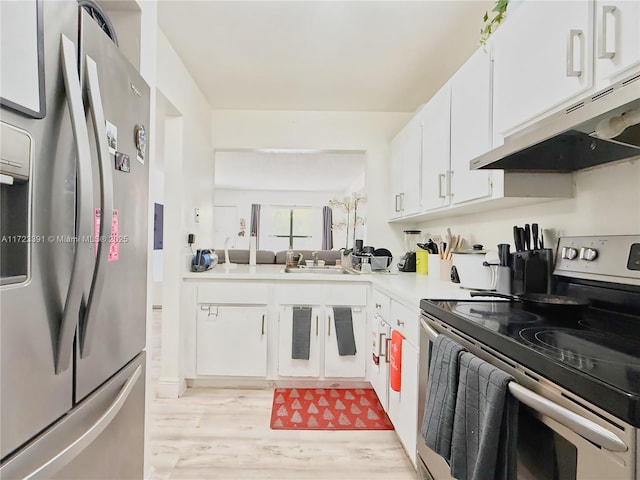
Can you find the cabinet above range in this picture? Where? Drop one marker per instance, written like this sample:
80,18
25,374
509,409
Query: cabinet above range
431,155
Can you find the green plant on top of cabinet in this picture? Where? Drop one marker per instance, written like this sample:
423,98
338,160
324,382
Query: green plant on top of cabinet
543,57
617,40
406,168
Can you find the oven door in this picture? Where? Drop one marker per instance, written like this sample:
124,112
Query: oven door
548,446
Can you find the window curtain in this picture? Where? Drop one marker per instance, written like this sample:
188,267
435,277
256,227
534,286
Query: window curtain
254,229
327,232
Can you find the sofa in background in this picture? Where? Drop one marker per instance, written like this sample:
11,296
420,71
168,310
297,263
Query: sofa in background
264,257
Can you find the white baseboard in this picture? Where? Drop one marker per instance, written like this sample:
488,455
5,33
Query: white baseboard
168,387
261,383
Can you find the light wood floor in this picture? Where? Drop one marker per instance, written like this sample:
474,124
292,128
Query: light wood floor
224,434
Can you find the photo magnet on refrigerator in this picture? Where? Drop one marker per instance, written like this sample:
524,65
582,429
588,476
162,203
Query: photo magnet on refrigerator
112,136
140,138
122,162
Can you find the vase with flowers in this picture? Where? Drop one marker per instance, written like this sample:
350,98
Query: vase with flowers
349,205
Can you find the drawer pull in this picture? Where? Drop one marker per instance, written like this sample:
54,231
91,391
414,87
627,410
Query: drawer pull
399,323
387,358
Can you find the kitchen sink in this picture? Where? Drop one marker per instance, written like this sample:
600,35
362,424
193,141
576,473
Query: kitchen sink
324,269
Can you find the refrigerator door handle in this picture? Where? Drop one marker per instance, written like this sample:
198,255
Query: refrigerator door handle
106,205
82,257
79,444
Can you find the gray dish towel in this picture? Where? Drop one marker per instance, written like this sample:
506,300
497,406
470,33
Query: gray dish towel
484,442
301,335
344,331
437,422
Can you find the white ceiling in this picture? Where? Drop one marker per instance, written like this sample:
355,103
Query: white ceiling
322,55
288,171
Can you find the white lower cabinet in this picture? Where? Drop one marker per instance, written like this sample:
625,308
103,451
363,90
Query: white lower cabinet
290,367
324,358
378,371
351,366
402,407
231,340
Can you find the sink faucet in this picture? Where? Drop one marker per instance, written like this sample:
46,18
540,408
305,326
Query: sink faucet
314,256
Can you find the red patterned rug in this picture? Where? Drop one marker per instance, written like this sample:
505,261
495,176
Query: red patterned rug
328,409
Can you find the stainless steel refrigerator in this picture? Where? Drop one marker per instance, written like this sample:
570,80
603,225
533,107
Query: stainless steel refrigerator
73,256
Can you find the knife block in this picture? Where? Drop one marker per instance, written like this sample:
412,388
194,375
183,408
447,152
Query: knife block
531,271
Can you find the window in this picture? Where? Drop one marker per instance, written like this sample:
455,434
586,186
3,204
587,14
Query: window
285,226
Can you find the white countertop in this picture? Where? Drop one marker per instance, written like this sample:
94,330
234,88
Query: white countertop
409,288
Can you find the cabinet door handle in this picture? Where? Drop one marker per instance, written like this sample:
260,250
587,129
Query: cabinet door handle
399,323
378,305
387,342
329,325
316,325
263,324
571,68
397,206
608,11
380,340
441,176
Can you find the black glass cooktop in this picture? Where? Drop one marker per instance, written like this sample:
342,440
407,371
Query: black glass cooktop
594,353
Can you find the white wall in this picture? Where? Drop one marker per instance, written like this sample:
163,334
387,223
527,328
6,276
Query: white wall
366,131
188,169
156,184
607,201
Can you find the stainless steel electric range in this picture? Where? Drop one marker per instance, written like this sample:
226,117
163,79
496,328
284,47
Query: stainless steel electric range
577,369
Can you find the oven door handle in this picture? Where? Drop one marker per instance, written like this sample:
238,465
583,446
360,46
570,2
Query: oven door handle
430,331
577,423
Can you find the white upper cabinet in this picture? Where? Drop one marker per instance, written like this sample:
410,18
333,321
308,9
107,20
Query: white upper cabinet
406,162
411,166
543,57
470,127
436,122
395,176
617,40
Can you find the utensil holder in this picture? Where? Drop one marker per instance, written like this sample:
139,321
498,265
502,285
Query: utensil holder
532,271
503,279
445,269
433,265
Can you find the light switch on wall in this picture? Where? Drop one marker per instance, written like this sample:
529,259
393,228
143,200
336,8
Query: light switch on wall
197,215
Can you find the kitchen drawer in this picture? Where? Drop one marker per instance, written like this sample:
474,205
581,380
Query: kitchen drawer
234,293
301,294
406,321
346,295
381,304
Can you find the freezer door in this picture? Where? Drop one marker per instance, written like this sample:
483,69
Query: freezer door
112,331
40,211
101,438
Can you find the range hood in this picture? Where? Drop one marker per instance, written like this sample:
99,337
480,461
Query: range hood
576,137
